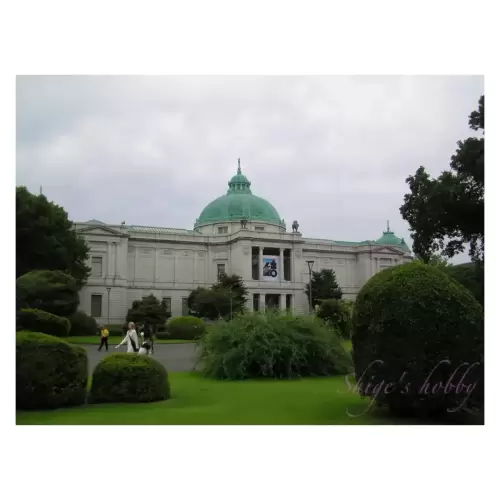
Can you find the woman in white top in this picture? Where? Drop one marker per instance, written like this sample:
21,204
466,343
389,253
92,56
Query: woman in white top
129,337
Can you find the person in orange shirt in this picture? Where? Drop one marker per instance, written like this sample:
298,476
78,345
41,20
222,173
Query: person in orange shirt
104,338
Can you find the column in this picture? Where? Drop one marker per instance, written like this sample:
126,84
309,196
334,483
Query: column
261,261
292,303
283,301
156,251
110,258
282,265
262,301
115,256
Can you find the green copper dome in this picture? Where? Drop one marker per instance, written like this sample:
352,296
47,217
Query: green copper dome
389,238
237,204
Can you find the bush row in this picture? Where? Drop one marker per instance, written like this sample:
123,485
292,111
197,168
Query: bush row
37,320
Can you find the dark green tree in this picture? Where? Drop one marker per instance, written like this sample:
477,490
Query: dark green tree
324,286
223,299
471,276
149,311
45,238
447,213
52,291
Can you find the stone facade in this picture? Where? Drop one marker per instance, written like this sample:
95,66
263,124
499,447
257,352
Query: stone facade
130,262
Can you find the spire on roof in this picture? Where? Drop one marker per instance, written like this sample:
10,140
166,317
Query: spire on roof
239,167
388,228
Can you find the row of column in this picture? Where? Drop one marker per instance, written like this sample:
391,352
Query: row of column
262,301
281,266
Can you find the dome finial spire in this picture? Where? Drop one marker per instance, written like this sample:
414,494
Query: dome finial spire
388,228
239,167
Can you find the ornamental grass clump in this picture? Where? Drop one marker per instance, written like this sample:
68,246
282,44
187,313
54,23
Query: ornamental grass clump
271,345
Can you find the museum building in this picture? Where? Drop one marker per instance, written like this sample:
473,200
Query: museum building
237,233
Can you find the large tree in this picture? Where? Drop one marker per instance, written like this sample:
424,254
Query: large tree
324,286
447,213
148,311
223,299
45,238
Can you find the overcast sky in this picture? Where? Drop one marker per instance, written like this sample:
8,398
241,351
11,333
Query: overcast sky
331,152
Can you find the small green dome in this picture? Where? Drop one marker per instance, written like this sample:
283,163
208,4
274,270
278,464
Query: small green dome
239,203
389,238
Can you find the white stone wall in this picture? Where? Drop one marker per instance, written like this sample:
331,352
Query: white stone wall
172,265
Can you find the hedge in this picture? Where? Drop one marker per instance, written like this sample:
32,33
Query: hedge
50,373
337,313
129,378
185,328
413,329
36,320
271,345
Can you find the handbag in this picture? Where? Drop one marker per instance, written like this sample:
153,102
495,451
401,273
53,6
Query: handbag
132,342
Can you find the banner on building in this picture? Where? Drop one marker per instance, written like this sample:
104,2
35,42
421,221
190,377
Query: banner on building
270,271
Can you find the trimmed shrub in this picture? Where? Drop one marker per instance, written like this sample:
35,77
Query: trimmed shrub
129,378
271,345
337,313
50,373
415,333
36,320
51,291
185,327
82,324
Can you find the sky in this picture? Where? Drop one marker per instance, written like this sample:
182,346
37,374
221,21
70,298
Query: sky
332,152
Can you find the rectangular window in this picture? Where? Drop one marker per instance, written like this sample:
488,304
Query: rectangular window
259,228
96,265
96,306
185,308
221,269
168,304
222,230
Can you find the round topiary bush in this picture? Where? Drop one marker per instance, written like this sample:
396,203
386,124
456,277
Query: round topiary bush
50,373
52,291
185,328
36,320
129,378
271,345
82,324
418,341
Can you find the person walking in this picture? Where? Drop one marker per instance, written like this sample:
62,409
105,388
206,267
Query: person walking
104,338
130,339
148,339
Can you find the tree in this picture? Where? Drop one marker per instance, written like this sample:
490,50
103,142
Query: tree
45,238
324,286
471,276
447,213
54,292
436,260
223,299
149,311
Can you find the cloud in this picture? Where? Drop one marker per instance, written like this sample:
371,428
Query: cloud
331,152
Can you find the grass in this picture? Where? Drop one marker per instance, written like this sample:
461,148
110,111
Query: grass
202,401
116,340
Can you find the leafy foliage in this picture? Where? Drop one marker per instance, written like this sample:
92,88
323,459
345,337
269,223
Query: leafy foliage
225,298
448,212
82,324
50,373
338,314
273,346
148,311
52,291
413,329
129,378
324,286
185,327
471,276
36,320
45,238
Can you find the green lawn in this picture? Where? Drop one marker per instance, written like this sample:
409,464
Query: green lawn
116,340
197,400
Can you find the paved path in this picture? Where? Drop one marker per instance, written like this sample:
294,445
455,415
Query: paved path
175,357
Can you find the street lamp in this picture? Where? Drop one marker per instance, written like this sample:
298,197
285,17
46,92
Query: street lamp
310,264
109,291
